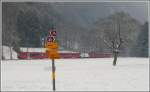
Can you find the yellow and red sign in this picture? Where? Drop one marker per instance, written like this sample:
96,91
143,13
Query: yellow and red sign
53,33
52,50
52,46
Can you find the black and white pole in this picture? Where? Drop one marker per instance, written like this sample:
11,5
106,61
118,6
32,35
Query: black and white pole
53,74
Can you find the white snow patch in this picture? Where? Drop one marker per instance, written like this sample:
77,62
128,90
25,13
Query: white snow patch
7,53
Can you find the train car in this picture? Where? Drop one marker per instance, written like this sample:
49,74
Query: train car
42,55
70,55
99,55
38,55
22,55
32,55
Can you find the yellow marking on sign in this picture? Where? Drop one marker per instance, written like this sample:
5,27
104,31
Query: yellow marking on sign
51,45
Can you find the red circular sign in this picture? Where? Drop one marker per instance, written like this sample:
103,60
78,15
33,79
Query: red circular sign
53,33
50,39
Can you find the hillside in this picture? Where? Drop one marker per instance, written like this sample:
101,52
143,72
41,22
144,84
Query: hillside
77,24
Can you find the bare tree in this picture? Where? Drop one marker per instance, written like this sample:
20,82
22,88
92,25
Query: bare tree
115,44
119,32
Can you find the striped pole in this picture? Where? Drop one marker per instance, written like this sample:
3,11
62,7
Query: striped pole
53,74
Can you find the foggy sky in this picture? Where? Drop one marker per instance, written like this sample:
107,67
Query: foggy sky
89,12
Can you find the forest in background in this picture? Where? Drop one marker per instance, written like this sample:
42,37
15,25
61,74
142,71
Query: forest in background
24,24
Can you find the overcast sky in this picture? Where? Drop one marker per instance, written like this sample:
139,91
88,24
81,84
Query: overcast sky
89,12
138,10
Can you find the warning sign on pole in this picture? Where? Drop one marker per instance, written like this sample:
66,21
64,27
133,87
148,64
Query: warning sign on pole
52,53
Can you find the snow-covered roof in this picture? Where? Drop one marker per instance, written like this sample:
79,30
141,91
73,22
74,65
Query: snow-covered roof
42,50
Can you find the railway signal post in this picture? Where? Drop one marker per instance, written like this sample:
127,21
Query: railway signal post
52,53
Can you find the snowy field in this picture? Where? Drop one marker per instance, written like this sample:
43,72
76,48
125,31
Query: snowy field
131,74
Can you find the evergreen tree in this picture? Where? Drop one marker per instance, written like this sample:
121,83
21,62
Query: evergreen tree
141,49
28,28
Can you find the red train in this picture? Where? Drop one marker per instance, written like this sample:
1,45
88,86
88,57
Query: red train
42,55
99,55
31,55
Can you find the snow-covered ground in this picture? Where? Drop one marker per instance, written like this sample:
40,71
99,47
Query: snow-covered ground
130,74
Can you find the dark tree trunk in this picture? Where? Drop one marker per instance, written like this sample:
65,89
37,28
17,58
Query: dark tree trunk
115,58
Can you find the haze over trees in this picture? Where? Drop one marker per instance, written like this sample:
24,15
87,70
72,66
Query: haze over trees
141,47
116,26
24,24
